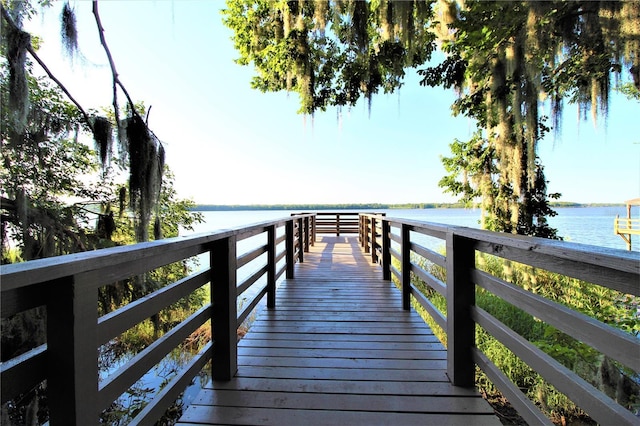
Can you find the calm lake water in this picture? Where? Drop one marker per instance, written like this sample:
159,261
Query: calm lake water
585,225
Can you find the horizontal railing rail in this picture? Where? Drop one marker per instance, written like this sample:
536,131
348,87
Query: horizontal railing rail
336,223
67,286
626,225
369,234
611,268
625,228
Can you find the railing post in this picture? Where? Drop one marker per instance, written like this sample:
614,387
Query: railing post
271,266
460,298
374,255
405,254
289,247
365,243
300,240
72,350
313,230
386,252
225,311
307,234
337,224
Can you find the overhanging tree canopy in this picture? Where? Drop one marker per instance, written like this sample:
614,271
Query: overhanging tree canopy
503,58
138,144
331,53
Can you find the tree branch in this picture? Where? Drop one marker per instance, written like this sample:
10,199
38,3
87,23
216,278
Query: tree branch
32,52
114,72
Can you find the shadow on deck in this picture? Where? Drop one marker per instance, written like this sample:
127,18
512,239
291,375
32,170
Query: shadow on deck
339,350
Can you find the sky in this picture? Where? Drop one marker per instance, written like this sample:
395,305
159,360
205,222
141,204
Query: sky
229,144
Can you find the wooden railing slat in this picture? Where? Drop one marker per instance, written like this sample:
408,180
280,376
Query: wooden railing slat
246,310
249,281
437,316
172,390
23,298
616,273
251,255
598,405
120,320
133,260
523,405
429,279
22,373
615,343
430,255
119,381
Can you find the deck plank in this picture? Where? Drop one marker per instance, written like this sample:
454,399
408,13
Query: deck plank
338,349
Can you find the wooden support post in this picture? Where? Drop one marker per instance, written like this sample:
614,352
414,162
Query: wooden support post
72,351
313,230
307,234
225,311
405,253
337,224
386,252
290,247
300,240
271,267
374,254
460,298
365,243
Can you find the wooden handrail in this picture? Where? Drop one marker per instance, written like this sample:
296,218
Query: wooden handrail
625,224
68,287
371,235
625,227
611,268
335,222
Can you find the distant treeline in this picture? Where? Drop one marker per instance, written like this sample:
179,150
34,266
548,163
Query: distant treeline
372,206
306,207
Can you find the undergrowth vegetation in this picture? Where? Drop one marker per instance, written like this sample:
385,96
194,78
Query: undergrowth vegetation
606,305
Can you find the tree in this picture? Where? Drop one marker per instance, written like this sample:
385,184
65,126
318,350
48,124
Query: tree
144,150
500,57
42,171
504,55
330,53
56,198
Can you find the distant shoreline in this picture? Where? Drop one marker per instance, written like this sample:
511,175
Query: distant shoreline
372,206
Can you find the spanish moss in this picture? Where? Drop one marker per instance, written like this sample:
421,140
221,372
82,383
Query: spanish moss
103,138
146,165
18,42
68,30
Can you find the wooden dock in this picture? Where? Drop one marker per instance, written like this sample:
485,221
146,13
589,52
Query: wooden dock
335,347
339,350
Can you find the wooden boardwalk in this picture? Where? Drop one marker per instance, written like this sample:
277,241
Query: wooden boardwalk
339,350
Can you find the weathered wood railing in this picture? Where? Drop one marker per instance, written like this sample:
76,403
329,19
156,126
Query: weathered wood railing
611,268
369,233
625,227
68,287
335,223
